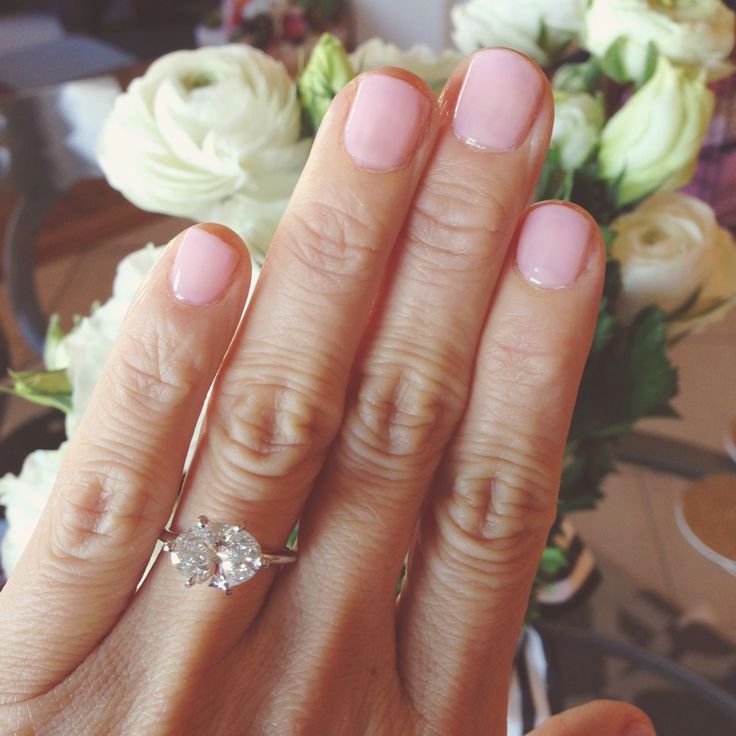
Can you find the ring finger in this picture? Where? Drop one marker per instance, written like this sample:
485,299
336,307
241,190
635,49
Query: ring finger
279,398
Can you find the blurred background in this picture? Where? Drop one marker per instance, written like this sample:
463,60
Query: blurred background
651,586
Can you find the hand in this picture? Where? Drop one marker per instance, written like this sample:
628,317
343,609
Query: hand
403,380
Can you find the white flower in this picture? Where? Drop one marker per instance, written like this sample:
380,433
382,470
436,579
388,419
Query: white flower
697,33
203,128
538,29
579,119
24,497
90,342
674,255
653,141
419,59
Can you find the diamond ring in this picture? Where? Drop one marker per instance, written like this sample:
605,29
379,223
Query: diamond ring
222,555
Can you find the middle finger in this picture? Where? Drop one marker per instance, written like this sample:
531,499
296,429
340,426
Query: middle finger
412,384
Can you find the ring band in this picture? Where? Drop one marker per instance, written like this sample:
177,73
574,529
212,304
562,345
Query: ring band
218,554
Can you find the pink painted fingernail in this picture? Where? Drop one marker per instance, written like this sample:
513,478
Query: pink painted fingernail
498,100
385,122
203,267
553,245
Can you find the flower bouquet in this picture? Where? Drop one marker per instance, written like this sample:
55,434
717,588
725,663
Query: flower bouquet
222,134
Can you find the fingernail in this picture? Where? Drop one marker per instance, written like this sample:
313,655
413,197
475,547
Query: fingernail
553,246
385,122
497,102
203,267
638,729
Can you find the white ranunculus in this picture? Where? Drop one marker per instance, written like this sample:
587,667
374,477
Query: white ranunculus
90,342
579,119
205,128
653,141
698,33
434,69
24,497
538,29
671,249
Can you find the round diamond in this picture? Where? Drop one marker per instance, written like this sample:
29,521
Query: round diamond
239,557
194,555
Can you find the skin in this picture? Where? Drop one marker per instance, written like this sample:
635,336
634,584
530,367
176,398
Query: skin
398,386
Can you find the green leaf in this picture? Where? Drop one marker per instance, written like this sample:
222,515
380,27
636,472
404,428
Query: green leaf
46,388
613,283
553,560
609,235
612,62
555,182
651,381
589,461
650,64
605,327
292,537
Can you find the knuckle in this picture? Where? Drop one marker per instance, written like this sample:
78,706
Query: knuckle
273,430
402,414
101,507
526,354
329,243
152,372
453,221
502,502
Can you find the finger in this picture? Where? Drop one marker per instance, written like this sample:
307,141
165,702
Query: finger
123,468
494,496
602,718
279,399
411,384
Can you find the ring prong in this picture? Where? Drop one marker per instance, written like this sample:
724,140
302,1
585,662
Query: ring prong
167,547
189,583
202,521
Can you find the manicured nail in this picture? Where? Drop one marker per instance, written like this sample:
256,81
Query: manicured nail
203,267
639,728
385,122
499,97
553,246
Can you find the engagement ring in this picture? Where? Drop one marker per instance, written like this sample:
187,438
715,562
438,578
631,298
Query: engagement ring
222,555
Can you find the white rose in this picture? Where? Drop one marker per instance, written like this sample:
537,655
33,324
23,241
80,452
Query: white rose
673,252
24,497
538,29
419,59
202,128
579,119
653,141
697,33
